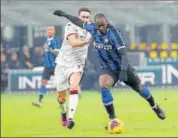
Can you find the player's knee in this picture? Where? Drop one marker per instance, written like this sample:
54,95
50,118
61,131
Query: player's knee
61,98
105,82
104,85
44,82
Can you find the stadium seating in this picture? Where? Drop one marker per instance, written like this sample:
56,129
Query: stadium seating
142,46
154,50
174,46
174,54
153,46
164,46
132,46
163,54
153,54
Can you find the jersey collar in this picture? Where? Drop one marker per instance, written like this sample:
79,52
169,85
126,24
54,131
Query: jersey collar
50,38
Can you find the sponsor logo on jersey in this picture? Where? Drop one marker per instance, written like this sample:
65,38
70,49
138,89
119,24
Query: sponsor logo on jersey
103,46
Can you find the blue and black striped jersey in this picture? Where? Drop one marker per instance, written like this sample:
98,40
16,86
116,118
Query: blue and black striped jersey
54,43
107,45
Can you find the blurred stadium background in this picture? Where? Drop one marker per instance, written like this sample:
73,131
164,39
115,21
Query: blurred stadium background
150,30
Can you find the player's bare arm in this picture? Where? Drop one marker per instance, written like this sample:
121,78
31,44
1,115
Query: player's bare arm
53,51
74,42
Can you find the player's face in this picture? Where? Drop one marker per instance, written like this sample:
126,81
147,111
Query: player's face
102,28
102,25
85,16
50,31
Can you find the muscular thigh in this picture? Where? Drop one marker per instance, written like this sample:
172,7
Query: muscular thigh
74,80
107,78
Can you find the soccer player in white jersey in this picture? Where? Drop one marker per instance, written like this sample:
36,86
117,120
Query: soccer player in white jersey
70,64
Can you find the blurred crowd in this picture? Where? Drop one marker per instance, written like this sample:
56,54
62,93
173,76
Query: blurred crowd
24,58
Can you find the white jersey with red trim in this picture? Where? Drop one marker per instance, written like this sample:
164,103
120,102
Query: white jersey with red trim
72,56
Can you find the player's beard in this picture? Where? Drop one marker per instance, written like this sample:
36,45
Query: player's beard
103,31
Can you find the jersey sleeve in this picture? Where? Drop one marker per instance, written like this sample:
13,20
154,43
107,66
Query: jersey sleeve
89,27
117,38
69,29
58,42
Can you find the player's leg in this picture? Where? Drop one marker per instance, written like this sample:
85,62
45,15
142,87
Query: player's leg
43,91
74,81
106,82
135,83
62,87
45,77
48,72
62,98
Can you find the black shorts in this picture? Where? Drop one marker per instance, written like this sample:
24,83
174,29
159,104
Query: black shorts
132,81
47,72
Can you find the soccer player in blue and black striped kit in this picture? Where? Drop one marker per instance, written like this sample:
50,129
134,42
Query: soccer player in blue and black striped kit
51,49
114,62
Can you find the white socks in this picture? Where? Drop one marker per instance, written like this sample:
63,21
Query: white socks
73,102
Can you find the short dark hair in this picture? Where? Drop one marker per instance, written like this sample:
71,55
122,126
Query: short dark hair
84,9
99,16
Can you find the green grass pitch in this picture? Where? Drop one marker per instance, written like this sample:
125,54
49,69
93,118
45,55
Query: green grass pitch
19,118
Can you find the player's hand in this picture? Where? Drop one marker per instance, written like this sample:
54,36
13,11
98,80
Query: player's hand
123,75
59,12
45,46
88,38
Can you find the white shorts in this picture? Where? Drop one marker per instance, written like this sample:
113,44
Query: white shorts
62,74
